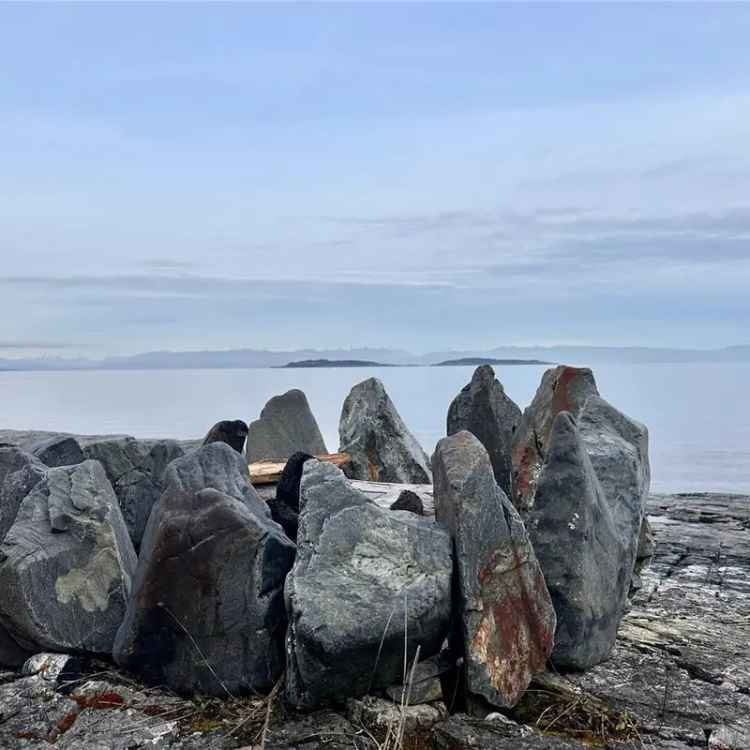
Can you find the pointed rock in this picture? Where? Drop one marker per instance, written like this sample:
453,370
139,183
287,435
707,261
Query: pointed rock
286,426
381,447
207,610
484,410
587,561
562,388
368,584
66,564
135,469
20,472
506,620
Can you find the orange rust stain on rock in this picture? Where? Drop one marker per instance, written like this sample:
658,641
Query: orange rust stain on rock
513,639
561,396
100,700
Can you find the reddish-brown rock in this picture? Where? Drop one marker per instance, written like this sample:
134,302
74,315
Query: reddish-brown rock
506,618
562,388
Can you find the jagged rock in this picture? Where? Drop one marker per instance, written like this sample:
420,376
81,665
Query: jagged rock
60,450
20,472
207,609
233,433
219,467
66,564
285,505
562,389
483,409
362,575
56,669
286,426
136,470
505,617
381,447
586,557
409,501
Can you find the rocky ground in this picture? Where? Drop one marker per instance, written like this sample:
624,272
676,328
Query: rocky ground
679,677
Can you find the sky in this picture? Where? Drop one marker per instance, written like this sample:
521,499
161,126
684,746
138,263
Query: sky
423,176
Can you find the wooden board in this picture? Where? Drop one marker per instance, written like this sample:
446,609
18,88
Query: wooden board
269,472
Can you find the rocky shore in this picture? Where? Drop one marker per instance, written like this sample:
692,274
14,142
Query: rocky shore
520,589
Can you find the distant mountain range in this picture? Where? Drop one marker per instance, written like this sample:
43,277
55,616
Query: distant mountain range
251,358
476,361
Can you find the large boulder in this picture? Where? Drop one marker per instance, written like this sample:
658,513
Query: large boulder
20,472
207,609
483,409
562,388
219,467
505,619
368,587
66,564
618,448
381,447
58,450
231,432
585,554
11,654
286,426
136,470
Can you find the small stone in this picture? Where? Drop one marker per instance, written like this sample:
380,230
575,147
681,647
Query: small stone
409,501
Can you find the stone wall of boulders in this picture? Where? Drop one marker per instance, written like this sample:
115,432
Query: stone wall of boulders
165,558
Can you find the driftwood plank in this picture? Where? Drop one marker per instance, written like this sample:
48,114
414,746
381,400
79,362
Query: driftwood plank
269,472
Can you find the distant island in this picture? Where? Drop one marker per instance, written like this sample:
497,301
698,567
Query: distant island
476,361
334,363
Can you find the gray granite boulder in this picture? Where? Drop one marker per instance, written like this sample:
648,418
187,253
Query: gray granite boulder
20,472
66,564
562,388
484,410
618,449
231,432
136,470
381,447
207,610
368,584
286,426
505,619
585,555
216,466
60,450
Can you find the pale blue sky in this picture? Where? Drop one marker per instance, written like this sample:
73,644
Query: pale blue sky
422,176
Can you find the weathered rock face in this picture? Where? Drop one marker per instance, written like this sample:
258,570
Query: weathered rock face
366,585
20,472
381,447
11,654
60,450
618,449
484,410
207,610
562,389
231,432
66,564
286,426
586,558
285,505
507,621
219,467
136,470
